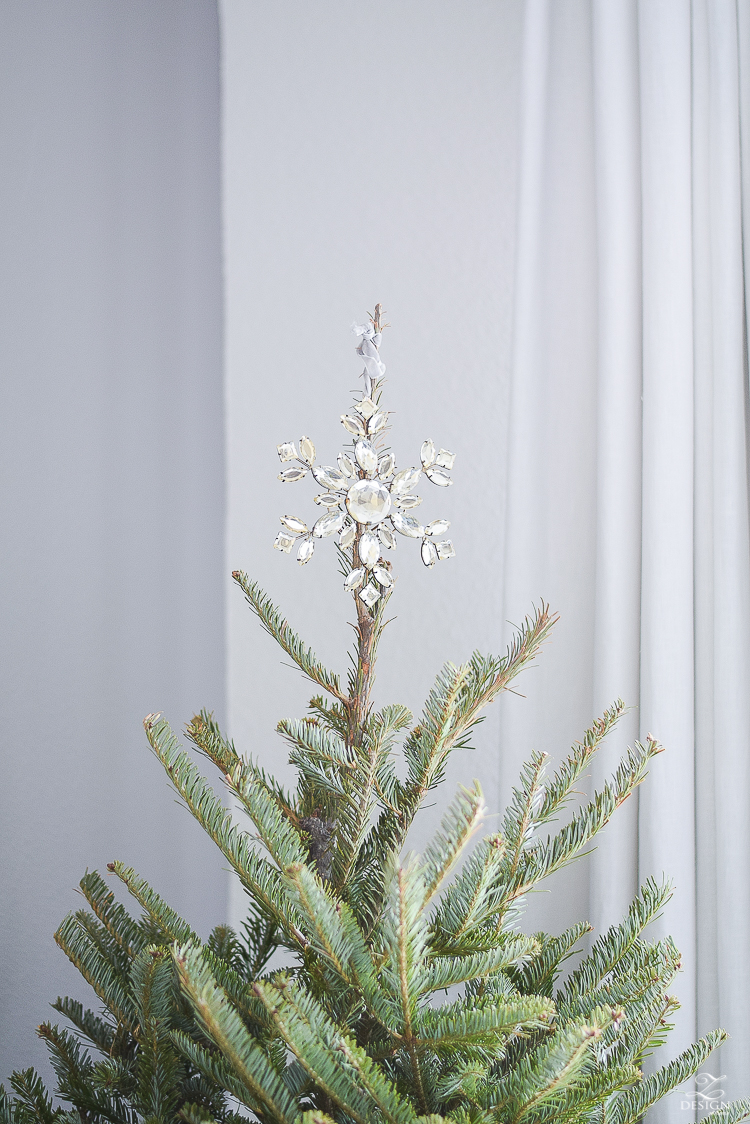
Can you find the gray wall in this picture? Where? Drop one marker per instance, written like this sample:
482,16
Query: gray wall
111,526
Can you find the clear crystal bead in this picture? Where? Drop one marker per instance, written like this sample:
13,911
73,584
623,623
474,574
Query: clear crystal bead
405,480
366,407
377,422
444,459
407,525
367,458
329,524
368,549
346,464
438,476
427,453
328,499
368,501
284,541
407,501
291,474
294,524
305,552
353,424
354,579
287,451
382,576
346,538
370,594
329,477
437,527
445,549
307,451
429,553
386,536
386,466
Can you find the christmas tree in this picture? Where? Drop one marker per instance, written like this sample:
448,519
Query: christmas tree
406,989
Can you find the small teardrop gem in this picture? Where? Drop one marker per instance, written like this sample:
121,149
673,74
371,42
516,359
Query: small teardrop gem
369,549
346,538
437,527
381,575
407,525
386,466
405,481
429,553
367,458
346,465
438,476
305,552
427,454
328,477
294,524
307,451
387,537
289,475
329,524
355,579
353,424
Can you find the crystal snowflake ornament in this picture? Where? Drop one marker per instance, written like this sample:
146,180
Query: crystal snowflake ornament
366,502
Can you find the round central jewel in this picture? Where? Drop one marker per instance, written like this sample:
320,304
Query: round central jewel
368,501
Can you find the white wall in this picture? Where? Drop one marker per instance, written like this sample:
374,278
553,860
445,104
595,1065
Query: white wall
111,526
371,153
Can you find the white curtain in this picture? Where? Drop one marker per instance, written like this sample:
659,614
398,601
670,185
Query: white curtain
627,500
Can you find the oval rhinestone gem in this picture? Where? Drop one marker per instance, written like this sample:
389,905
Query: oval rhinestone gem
353,424
368,501
444,459
437,527
346,464
382,576
429,553
307,451
368,549
346,538
387,537
427,454
407,501
438,476
355,579
287,451
407,525
294,524
405,480
328,499
291,474
367,458
329,524
377,422
328,477
305,552
386,466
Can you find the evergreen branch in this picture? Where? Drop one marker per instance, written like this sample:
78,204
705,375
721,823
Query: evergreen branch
457,1026
32,1093
731,1113
100,1033
169,923
340,1068
216,1070
77,945
560,788
446,971
538,976
77,1080
277,627
158,1068
259,878
471,900
610,949
279,836
225,1028
115,918
630,1106
457,828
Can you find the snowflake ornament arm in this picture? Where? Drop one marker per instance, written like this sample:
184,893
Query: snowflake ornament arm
367,501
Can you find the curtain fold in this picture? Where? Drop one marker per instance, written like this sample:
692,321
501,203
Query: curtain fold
633,519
